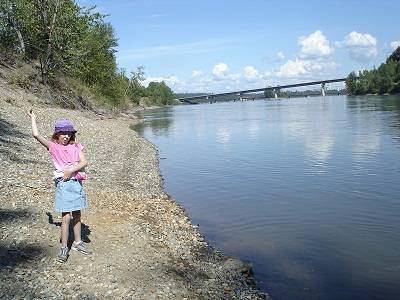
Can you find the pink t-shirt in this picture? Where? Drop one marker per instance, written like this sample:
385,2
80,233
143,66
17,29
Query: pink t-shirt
64,157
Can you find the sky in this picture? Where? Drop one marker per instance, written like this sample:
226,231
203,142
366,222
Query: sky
219,46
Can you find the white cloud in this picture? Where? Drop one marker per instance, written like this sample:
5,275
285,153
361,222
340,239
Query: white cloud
235,77
361,46
171,81
200,85
292,68
298,67
356,39
313,58
321,65
363,54
220,70
280,55
250,73
395,44
315,45
196,73
267,74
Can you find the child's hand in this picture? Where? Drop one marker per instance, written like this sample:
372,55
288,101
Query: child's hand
32,114
67,174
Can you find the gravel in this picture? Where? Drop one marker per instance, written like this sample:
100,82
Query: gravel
145,246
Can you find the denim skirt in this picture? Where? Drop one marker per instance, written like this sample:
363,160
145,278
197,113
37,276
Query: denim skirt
69,196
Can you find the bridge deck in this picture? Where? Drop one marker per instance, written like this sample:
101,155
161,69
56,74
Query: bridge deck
278,87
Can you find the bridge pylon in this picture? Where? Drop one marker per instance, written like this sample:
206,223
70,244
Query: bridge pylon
275,91
323,89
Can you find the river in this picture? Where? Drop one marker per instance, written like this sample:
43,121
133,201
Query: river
307,189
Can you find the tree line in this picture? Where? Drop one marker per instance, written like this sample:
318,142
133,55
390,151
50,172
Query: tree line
383,80
304,93
64,39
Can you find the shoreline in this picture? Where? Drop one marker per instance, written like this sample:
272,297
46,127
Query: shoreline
240,266
144,244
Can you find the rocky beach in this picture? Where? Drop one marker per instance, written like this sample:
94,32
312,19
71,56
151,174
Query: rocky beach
144,244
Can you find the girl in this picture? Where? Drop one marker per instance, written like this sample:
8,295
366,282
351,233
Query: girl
69,161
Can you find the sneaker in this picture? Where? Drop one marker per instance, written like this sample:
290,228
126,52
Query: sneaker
81,247
63,254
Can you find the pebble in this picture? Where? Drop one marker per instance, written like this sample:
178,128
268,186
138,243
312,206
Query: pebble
143,242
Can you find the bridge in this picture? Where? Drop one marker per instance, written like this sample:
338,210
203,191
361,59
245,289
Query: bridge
275,90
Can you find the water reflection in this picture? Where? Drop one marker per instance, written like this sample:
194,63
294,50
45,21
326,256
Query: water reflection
253,129
311,127
223,134
159,121
365,144
390,104
318,148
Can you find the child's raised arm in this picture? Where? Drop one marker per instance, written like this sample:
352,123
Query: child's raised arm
35,131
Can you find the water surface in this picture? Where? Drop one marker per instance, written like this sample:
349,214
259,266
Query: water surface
306,189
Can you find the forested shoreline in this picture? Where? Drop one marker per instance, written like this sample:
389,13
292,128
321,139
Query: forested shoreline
64,42
383,80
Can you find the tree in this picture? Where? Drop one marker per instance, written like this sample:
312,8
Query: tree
97,64
138,75
159,93
387,74
269,93
351,83
395,56
136,90
73,41
60,31
11,13
385,79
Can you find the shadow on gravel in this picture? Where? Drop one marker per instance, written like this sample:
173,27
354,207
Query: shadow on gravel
16,263
7,129
84,235
11,148
14,255
10,215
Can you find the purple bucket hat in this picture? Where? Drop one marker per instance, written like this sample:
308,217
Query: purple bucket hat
64,126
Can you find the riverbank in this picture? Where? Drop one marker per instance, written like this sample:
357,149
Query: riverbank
145,246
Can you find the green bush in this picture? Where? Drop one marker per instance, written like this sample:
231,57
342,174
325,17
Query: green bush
160,94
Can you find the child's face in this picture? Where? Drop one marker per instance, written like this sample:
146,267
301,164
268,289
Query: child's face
64,138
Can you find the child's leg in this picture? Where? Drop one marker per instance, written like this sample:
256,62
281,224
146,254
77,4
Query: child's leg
77,225
78,244
66,218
